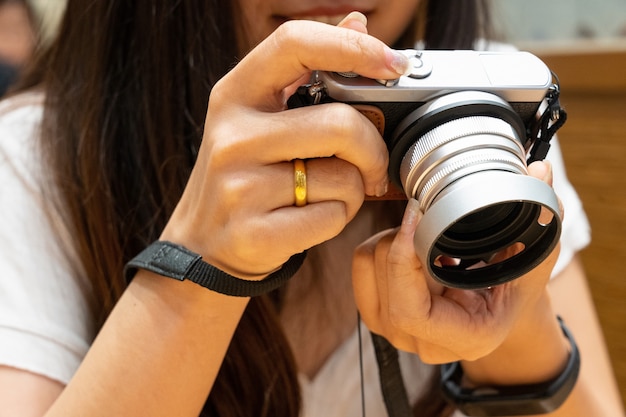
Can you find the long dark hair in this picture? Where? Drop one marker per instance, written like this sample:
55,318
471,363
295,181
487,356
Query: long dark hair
126,86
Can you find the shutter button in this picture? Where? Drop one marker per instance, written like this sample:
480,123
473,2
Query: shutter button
420,68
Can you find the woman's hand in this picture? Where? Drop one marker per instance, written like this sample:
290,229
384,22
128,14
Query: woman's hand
398,300
238,208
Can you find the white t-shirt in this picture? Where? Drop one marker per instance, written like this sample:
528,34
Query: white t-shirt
44,325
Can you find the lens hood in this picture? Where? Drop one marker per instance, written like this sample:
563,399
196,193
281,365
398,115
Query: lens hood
488,228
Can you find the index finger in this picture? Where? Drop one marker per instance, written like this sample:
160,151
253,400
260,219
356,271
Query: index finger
298,47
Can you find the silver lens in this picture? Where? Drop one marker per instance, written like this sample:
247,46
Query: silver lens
485,220
458,148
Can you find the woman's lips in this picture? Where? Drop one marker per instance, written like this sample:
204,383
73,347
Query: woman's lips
329,19
330,16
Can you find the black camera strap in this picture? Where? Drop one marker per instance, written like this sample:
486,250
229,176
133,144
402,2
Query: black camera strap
551,120
175,261
391,382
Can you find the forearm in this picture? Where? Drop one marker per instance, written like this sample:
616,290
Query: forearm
571,299
158,353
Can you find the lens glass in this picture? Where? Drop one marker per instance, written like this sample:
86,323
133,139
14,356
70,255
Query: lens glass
482,234
484,223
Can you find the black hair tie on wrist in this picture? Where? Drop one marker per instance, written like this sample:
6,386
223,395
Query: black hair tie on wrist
175,261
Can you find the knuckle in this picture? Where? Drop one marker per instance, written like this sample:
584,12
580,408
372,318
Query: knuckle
227,144
354,45
233,191
324,220
336,221
355,131
219,93
222,96
343,120
220,155
397,259
286,35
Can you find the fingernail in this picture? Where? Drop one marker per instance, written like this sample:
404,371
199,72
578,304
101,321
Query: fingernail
381,188
358,16
399,62
412,214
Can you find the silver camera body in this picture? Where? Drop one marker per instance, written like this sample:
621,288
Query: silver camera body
460,129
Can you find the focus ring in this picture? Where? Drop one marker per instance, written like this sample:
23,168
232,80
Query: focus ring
468,144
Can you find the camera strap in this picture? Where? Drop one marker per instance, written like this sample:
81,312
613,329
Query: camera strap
551,120
175,261
391,382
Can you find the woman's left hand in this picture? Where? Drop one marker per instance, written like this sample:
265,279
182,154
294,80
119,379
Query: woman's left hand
397,298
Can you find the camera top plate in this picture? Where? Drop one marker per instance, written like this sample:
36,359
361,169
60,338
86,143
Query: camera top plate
515,76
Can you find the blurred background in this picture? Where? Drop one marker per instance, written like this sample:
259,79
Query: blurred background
48,13
561,21
23,25
584,42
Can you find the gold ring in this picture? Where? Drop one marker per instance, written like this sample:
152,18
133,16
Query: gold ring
299,176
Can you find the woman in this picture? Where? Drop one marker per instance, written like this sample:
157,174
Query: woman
131,154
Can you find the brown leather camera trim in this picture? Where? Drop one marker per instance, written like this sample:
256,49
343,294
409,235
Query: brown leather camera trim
376,116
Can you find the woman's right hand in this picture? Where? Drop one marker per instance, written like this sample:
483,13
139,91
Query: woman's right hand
238,208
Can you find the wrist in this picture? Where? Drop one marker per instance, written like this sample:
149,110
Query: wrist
513,400
534,351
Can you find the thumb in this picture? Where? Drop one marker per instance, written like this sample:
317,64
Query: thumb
408,289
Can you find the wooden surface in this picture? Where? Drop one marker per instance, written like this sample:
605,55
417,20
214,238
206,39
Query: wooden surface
594,147
591,70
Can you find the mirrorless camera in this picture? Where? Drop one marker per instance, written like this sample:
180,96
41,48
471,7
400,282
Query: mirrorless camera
461,128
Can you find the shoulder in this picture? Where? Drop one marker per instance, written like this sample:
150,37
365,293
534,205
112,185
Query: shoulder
21,104
20,122
20,119
44,325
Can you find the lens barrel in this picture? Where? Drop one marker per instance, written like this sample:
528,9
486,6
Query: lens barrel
486,222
